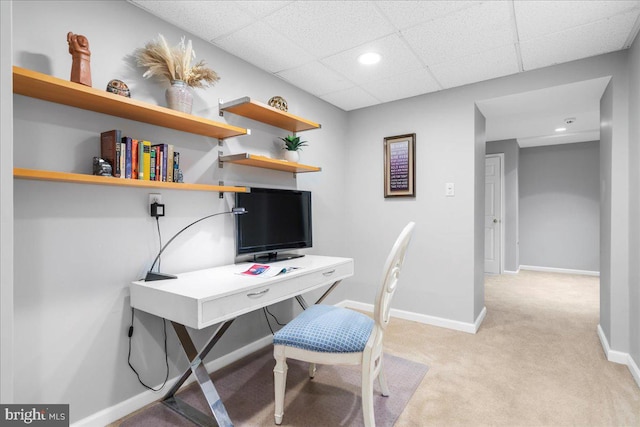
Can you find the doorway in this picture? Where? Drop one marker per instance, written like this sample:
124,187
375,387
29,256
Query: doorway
493,214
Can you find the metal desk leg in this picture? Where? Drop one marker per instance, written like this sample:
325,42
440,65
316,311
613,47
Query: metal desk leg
303,302
220,416
328,291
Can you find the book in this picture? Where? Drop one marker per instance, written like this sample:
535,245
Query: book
176,165
135,165
145,160
127,141
110,149
152,163
170,155
163,150
123,159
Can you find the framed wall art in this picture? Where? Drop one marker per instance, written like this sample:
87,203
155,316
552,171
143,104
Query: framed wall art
400,166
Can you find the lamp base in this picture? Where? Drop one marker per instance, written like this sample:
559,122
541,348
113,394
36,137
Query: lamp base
151,276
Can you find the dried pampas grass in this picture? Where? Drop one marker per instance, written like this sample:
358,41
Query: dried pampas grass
174,63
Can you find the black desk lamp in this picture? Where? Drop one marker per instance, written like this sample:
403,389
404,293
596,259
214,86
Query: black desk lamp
151,276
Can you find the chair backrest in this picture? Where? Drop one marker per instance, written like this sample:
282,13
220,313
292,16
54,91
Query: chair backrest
390,275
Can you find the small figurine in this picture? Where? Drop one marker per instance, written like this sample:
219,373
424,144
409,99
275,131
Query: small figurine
119,88
279,102
80,67
101,167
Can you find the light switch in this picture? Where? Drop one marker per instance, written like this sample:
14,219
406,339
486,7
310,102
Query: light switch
450,189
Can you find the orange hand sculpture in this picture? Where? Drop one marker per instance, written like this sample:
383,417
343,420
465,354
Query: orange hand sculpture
79,50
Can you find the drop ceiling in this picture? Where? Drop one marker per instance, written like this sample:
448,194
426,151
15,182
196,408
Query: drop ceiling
426,46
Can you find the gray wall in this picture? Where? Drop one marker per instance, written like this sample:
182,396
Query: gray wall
77,247
606,145
634,203
511,151
444,243
6,208
479,143
559,206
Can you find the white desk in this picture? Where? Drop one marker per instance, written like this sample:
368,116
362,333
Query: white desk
218,295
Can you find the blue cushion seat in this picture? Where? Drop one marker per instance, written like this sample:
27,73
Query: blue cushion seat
327,329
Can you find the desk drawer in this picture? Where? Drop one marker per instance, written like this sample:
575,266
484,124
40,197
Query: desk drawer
216,310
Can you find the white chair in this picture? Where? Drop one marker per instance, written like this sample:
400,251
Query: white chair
332,335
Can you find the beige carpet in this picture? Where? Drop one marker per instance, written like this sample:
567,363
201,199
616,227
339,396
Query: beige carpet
536,361
332,398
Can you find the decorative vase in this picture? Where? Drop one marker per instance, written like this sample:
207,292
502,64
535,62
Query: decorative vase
179,97
291,156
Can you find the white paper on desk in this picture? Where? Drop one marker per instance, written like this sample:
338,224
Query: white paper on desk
262,270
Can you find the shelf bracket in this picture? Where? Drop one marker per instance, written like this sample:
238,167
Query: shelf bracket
220,142
220,162
220,111
221,195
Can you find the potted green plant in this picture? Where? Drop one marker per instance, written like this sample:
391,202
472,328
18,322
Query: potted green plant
292,144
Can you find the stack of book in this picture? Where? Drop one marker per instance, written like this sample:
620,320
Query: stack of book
139,159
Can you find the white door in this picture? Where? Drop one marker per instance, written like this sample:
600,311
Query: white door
492,214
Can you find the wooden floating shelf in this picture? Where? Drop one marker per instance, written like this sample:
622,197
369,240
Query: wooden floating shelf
77,178
264,113
268,163
49,88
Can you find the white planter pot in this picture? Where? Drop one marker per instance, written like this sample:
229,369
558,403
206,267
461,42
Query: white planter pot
291,156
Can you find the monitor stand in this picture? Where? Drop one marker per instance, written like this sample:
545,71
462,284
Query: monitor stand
274,257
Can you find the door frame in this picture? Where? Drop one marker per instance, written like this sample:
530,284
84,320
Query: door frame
502,210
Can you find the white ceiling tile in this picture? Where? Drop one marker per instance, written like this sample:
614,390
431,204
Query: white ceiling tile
313,44
403,85
579,42
261,8
462,33
351,99
315,78
405,14
476,68
255,45
396,58
196,16
538,18
327,27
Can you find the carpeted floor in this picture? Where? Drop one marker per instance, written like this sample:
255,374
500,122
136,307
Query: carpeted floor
332,398
536,361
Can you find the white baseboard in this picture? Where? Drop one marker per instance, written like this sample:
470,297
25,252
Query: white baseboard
612,355
635,371
122,409
619,357
559,270
511,272
471,328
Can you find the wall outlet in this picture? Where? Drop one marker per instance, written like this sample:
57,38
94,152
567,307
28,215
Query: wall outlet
155,198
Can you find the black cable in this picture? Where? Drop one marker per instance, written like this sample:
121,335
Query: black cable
166,355
274,317
264,310
160,242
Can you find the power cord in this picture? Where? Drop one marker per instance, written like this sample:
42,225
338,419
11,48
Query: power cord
166,355
164,327
274,317
159,241
265,310
267,319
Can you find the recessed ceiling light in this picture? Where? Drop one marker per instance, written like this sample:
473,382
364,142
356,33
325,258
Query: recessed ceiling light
560,129
369,58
